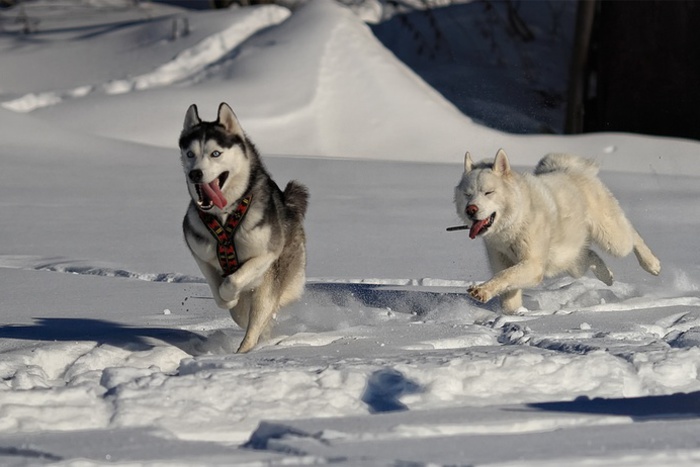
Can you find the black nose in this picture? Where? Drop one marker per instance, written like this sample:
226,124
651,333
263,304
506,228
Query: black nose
196,175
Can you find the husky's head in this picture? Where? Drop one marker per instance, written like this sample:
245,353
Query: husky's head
215,158
481,195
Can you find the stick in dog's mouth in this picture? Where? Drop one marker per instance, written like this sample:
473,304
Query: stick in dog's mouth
477,227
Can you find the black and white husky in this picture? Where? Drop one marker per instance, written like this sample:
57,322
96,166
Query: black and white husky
245,234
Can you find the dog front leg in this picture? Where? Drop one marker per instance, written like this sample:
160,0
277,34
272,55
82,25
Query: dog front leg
248,276
521,275
264,305
511,300
214,280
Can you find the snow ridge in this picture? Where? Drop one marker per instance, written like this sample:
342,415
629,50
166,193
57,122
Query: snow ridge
59,264
184,65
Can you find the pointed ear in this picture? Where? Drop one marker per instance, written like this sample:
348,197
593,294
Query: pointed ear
228,119
468,163
501,165
191,117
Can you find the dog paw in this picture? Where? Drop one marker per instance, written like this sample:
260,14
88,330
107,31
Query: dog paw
226,304
229,295
229,303
246,346
604,275
653,267
228,290
647,260
479,293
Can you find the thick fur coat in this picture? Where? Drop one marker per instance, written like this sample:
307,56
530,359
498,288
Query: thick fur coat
543,224
222,167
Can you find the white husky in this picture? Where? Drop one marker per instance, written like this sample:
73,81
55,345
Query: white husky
542,225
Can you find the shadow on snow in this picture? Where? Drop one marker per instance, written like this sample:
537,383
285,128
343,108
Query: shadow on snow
103,332
385,387
395,298
679,405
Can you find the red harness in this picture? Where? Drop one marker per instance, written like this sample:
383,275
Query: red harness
224,234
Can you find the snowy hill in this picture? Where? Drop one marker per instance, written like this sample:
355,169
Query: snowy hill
114,352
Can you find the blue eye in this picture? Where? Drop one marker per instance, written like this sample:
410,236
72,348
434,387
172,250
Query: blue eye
215,154
190,154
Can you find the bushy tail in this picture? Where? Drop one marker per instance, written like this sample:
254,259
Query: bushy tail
296,198
566,163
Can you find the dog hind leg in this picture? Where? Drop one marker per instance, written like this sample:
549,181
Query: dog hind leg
599,268
292,269
293,287
611,230
647,260
241,311
511,301
614,233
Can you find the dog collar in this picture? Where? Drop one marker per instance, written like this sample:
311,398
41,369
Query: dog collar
224,234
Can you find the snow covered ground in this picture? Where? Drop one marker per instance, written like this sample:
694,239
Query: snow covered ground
113,352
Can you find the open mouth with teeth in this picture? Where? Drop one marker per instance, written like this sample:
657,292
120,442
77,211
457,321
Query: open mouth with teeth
482,226
210,195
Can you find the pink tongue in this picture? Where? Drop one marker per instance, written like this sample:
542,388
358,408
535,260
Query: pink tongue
476,228
214,193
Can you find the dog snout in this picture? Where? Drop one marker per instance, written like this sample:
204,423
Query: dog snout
196,175
472,209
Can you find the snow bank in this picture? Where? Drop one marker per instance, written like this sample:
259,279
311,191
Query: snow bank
185,65
112,348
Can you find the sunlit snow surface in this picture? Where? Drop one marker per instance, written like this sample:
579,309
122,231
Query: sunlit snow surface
112,349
